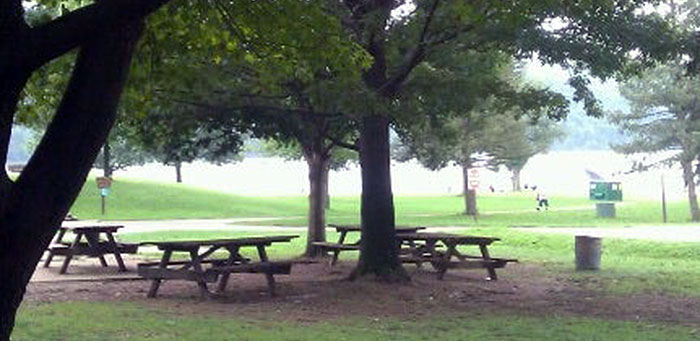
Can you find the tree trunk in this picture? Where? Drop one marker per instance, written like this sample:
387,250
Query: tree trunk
48,185
106,160
689,178
328,193
318,191
178,172
515,179
469,194
378,249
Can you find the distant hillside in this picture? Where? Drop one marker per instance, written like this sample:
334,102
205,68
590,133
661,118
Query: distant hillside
582,132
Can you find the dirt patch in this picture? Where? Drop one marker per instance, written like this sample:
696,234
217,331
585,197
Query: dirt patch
314,292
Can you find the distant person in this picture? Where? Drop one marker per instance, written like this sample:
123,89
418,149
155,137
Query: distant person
492,189
526,186
542,201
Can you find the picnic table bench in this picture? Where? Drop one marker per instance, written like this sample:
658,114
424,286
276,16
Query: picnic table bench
341,245
93,246
217,269
424,249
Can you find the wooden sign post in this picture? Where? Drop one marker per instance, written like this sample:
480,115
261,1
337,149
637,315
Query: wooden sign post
104,184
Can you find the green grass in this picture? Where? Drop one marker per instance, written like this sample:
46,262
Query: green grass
138,321
131,199
627,266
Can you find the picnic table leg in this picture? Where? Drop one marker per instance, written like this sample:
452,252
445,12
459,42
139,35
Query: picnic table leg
49,257
93,240
115,250
268,275
415,251
489,265
69,255
155,283
233,256
445,261
197,266
336,253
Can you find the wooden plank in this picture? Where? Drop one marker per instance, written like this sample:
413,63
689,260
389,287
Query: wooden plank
187,245
277,267
92,228
149,272
357,228
464,264
336,246
214,261
446,237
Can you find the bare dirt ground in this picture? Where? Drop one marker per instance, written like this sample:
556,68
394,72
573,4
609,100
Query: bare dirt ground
315,292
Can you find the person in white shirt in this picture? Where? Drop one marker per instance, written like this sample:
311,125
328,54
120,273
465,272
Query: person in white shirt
542,201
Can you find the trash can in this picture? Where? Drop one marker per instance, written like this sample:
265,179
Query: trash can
605,209
588,250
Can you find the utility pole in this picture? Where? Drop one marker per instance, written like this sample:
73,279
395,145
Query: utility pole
663,199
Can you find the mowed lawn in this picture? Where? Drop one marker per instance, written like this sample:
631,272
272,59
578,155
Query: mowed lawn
131,200
629,267
134,321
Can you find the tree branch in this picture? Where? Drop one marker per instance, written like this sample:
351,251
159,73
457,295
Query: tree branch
254,107
415,56
61,35
343,144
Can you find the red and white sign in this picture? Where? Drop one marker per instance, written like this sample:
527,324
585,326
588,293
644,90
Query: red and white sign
473,178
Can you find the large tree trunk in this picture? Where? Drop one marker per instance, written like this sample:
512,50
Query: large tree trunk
36,204
469,194
106,160
178,172
318,191
515,179
689,178
378,249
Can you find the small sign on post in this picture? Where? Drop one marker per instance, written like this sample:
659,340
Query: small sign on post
473,179
103,184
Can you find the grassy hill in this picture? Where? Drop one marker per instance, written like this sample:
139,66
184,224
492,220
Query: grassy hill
130,199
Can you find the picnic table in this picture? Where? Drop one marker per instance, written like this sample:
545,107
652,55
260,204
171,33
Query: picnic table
342,245
202,268
93,246
440,250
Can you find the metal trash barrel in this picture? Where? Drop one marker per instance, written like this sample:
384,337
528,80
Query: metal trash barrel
588,250
605,209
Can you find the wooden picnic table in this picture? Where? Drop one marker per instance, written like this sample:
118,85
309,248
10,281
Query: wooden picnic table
93,246
425,247
194,268
342,245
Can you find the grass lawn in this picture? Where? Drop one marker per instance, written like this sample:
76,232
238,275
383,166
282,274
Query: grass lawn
629,267
131,199
137,321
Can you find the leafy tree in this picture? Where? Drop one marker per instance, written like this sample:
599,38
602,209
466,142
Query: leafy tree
340,158
664,116
286,85
597,35
32,206
463,121
173,135
513,142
